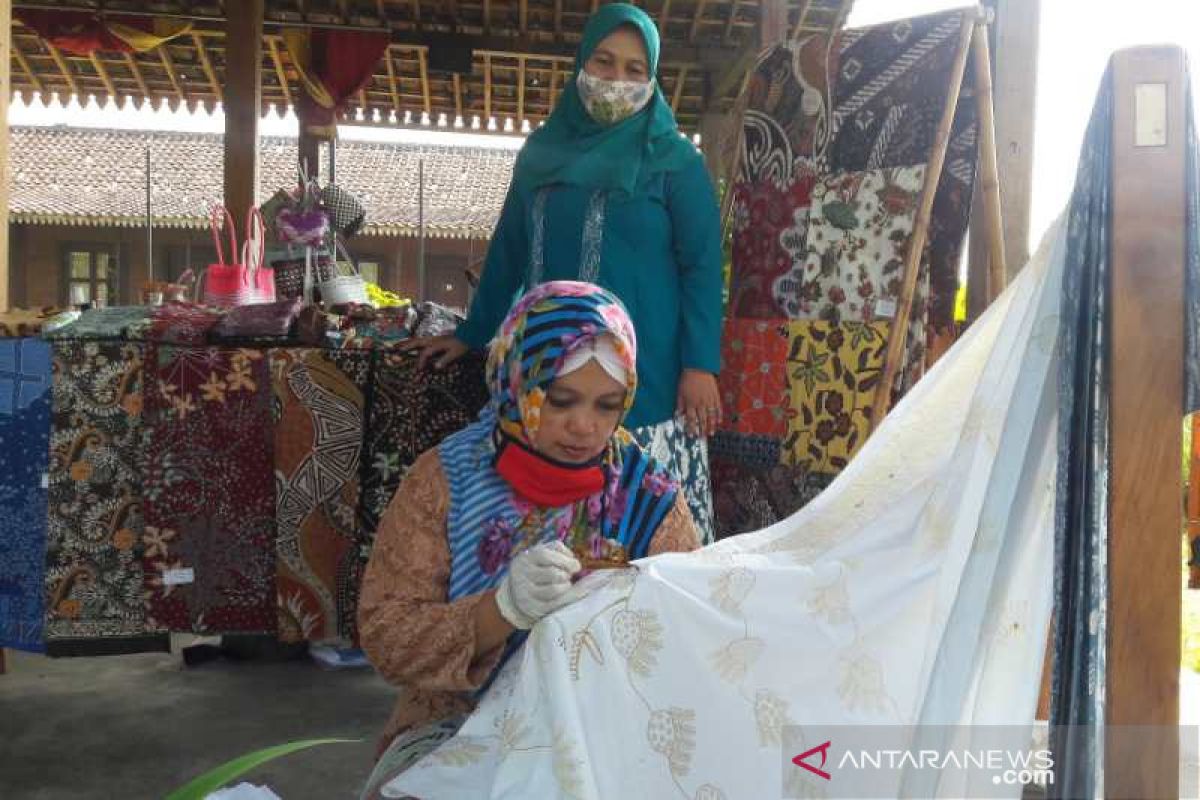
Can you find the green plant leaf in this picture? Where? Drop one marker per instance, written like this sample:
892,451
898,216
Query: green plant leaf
211,781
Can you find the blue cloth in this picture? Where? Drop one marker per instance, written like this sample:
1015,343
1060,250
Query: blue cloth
1081,511
24,459
659,251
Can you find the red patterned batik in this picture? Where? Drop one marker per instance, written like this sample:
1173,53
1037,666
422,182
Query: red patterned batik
209,543
753,377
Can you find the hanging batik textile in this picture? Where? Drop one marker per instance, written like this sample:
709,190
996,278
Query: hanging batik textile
24,455
209,555
833,164
318,399
412,410
95,536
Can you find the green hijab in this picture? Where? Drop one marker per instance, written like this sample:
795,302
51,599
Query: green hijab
573,148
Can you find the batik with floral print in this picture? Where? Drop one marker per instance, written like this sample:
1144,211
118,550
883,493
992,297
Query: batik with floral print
833,372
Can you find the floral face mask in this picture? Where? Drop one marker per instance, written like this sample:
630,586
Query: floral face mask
610,102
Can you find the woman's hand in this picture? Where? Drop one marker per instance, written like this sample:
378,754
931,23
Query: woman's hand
446,349
538,583
699,402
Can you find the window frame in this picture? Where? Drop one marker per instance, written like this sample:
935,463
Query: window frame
114,279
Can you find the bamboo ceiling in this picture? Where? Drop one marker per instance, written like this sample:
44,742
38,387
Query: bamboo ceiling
522,50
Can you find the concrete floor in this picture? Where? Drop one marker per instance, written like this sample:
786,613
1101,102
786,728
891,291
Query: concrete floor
134,727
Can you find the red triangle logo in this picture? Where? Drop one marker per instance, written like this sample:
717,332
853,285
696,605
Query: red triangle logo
800,761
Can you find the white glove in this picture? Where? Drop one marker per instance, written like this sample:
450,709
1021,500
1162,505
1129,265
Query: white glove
538,583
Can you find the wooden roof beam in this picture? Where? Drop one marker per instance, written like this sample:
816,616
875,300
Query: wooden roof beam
558,29
487,17
458,104
207,66
280,72
700,4
487,88
680,80
23,63
729,23
421,60
520,90
104,76
664,17
61,63
553,84
137,74
392,86
169,65
523,12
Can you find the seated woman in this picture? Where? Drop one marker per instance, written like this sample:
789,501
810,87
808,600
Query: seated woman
487,532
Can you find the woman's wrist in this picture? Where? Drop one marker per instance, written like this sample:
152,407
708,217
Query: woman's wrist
491,628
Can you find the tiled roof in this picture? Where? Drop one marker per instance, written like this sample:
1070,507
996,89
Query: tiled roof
97,177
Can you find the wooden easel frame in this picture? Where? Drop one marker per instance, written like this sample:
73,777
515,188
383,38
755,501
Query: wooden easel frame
973,44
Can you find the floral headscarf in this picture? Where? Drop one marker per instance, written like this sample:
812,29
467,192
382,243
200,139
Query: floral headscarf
540,332
488,524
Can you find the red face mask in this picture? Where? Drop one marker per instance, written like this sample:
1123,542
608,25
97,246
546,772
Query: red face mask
542,481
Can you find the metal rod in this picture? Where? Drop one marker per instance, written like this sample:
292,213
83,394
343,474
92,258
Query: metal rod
149,222
421,288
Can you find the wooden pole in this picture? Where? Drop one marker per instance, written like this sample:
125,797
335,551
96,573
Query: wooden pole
1015,89
1145,519
5,91
989,176
916,246
243,105
1013,40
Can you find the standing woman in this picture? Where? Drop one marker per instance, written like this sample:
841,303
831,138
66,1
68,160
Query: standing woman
610,192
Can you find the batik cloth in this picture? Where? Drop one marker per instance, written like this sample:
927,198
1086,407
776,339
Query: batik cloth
685,459
753,378
787,109
833,374
95,534
115,322
209,555
785,134
317,406
750,497
859,230
412,410
858,240
889,95
23,322
770,228
24,457
182,323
